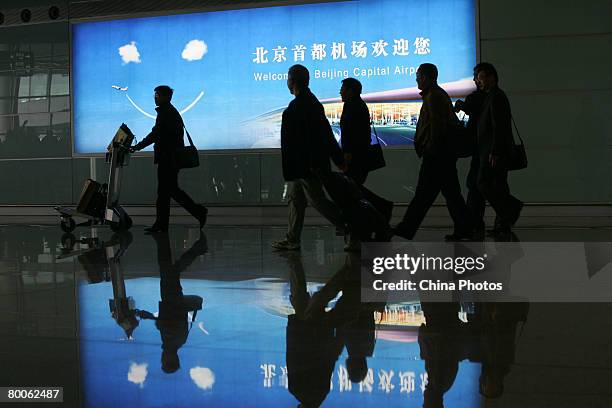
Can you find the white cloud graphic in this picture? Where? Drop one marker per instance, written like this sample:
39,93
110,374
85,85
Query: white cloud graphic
129,53
138,373
203,377
194,50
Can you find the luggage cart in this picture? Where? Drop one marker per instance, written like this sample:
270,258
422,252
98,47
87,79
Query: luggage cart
99,204
102,262
97,257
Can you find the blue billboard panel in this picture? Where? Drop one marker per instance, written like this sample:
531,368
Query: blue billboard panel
228,68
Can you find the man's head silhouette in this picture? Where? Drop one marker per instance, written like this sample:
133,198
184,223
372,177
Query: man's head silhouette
298,78
170,361
163,94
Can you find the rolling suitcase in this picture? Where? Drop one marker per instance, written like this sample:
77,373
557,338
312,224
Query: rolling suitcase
361,216
91,201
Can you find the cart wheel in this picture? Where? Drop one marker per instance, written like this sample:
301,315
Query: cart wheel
67,224
68,241
128,222
124,224
124,238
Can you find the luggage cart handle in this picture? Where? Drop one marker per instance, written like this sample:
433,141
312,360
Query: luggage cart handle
121,151
120,146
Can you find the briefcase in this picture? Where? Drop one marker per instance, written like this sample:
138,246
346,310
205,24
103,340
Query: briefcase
376,158
92,200
462,142
518,154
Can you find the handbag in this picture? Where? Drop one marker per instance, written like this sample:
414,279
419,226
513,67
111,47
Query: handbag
376,158
518,154
186,157
461,139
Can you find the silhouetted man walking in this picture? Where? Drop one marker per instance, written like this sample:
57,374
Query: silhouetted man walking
495,143
439,166
355,138
307,144
472,106
355,130
167,135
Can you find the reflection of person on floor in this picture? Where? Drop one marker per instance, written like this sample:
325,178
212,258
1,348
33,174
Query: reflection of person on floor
498,336
439,349
316,338
490,338
172,320
497,322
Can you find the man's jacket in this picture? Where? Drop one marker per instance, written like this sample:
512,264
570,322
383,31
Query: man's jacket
166,135
307,141
435,119
473,107
355,131
495,126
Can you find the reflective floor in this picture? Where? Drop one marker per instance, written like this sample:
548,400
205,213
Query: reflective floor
217,319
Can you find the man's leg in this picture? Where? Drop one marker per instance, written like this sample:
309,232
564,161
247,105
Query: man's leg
451,190
296,204
313,187
493,184
297,210
358,175
428,187
165,179
383,206
475,200
183,199
298,291
514,204
169,284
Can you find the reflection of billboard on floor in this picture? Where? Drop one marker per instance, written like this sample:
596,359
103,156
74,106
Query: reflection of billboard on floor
228,68
238,350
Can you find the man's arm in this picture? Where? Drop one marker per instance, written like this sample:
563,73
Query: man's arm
335,151
471,104
356,130
348,128
438,118
502,131
151,137
326,141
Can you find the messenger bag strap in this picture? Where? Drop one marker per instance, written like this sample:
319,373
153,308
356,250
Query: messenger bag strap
188,135
516,127
513,122
375,132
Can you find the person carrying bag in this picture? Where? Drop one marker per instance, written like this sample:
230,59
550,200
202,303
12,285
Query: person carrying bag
170,155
